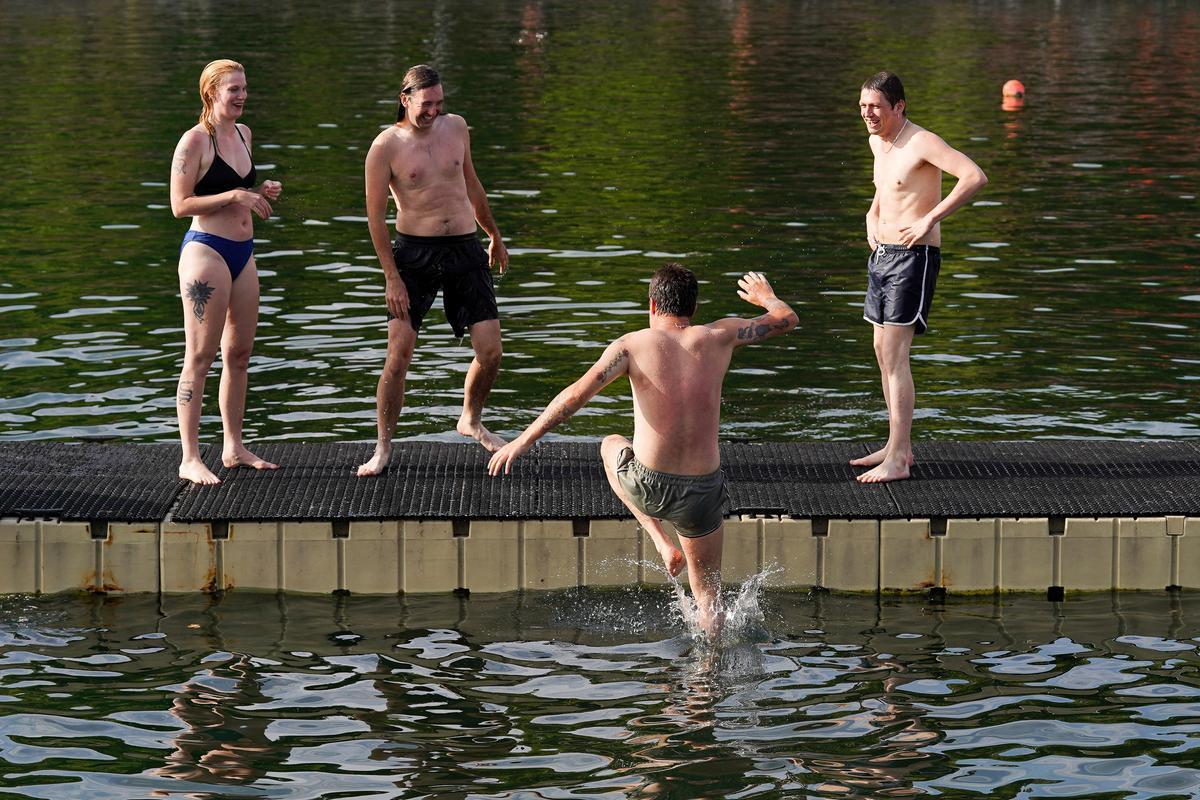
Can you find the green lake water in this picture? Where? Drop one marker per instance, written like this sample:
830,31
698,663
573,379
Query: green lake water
610,137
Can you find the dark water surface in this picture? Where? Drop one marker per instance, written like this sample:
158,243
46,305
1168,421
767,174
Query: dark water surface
612,136
596,694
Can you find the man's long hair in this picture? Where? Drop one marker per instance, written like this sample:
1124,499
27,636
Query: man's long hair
422,76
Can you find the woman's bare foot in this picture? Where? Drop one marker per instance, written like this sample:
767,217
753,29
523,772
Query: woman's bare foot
490,441
377,464
893,469
875,459
196,472
241,457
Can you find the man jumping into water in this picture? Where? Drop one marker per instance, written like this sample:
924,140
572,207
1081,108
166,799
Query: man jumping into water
672,470
904,233
424,163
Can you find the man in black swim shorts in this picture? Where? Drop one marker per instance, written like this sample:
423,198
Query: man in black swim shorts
423,163
904,233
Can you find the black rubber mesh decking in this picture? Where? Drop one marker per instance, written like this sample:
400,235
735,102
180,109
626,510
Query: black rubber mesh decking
1051,478
317,481
801,479
88,481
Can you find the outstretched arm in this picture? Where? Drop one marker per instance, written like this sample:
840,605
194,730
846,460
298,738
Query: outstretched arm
754,288
970,180
497,252
610,366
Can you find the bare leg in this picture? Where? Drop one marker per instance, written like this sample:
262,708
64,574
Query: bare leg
389,394
610,450
481,376
894,359
236,345
204,286
877,457
703,556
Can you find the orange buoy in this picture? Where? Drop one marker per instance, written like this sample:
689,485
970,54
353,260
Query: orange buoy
1014,95
1014,88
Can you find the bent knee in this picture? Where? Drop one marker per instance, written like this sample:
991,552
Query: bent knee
236,357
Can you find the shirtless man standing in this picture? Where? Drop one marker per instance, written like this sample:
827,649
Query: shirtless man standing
672,470
424,163
904,234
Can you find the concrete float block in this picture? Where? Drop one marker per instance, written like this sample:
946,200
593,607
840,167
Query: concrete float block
969,555
429,556
742,555
551,554
68,557
1189,554
1027,555
852,555
20,558
1144,551
372,558
132,562
494,558
1088,553
611,551
254,556
905,555
788,546
189,559
310,558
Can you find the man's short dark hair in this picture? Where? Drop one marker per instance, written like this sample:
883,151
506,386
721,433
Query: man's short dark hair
889,86
674,290
422,76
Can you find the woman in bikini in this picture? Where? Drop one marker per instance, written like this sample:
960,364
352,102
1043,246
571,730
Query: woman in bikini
212,181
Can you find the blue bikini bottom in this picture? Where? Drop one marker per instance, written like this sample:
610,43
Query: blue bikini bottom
236,254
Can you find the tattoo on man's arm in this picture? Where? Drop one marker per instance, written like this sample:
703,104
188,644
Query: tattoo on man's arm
561,412
199,292
757,330
184,394
612,365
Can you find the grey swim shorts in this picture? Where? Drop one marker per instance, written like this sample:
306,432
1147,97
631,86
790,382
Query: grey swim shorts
694,504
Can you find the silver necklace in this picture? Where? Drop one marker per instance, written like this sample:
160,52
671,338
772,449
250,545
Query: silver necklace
896,138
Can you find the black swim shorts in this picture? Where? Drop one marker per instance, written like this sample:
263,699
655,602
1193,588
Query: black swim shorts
900,282
455,265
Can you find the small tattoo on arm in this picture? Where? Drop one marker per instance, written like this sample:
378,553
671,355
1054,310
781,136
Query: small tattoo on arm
199,292
612,365
184,395
180,165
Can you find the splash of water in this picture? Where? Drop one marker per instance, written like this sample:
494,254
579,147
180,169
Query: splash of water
742,616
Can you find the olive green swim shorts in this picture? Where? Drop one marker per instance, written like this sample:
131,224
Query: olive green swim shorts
694,504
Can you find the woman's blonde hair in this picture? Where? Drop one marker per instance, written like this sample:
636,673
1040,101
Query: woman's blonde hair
210,81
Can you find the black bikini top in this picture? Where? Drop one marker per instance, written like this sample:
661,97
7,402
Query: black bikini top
221,177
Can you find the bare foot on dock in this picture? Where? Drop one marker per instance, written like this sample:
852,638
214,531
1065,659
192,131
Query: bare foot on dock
241,457
377,464
490,441
875,459
196,472
889,470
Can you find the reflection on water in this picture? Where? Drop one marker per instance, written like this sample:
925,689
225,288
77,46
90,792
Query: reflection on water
611,137
598,694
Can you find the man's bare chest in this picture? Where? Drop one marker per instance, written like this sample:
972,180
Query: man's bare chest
419,165
904,174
